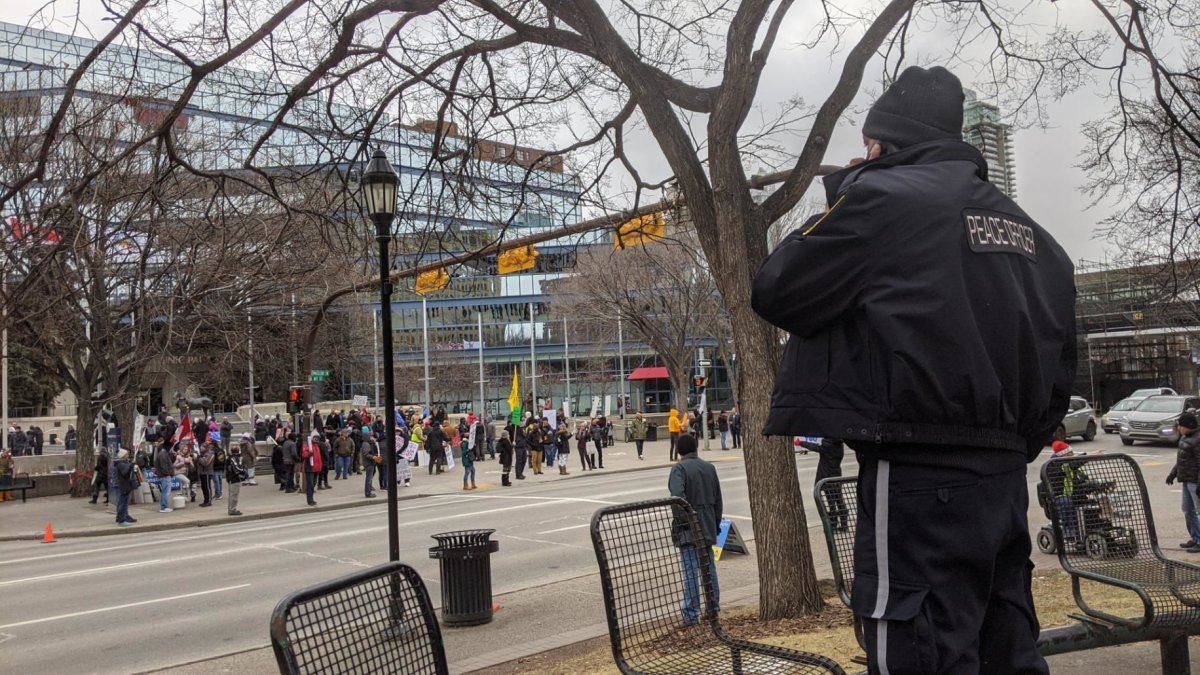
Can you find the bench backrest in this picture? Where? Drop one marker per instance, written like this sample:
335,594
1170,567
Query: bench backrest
379,620
1102,503
638,549
837,504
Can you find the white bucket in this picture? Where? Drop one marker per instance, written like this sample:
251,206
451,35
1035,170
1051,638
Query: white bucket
178,501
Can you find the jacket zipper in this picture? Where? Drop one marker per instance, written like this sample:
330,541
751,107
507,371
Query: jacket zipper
878,434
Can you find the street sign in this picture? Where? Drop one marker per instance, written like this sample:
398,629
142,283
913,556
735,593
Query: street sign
316,378
705,363
320,373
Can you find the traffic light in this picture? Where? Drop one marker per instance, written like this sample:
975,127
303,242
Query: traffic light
295,399
698,381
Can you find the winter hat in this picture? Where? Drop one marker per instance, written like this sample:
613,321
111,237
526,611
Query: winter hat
1061,449
921,105
1188,419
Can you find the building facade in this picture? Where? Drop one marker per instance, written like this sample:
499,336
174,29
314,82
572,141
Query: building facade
482,319
1138,327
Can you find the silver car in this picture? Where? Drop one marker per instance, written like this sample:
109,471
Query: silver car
1080,420
1154,419
1111,421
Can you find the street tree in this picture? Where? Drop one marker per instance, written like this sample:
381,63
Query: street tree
662,292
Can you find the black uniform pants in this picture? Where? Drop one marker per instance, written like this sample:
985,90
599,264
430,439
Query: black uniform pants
942,571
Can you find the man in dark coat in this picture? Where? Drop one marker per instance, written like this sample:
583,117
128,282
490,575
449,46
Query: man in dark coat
695,480
829,465
164,467
932,328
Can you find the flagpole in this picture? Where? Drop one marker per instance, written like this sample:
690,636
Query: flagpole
375,341
621,357
533,361
250,350
567,365
482,401
425,331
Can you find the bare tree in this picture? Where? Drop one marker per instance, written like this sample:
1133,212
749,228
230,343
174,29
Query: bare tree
663,293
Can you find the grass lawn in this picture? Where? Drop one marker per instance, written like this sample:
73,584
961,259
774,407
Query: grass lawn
830,633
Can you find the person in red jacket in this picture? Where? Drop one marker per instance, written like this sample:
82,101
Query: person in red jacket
313,464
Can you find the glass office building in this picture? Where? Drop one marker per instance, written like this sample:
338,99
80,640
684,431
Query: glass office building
509,188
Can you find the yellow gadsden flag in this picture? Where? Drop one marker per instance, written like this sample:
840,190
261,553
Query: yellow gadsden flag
517,259
433,280
640,230
514,398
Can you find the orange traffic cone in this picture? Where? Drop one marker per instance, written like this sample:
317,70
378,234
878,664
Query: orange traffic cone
48,538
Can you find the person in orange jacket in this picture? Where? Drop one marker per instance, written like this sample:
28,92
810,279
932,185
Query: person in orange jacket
675,426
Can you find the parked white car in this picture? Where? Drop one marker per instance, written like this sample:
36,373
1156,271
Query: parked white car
1080,420
1111,421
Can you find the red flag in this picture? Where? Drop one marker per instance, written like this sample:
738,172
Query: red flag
20,231
185,428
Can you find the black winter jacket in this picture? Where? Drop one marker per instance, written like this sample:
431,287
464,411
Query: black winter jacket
1187,462
926,310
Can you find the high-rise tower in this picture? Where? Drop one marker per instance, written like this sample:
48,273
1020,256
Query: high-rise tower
983,128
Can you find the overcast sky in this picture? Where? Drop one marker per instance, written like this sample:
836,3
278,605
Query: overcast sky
1047,180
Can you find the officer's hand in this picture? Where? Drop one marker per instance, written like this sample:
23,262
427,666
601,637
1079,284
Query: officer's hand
1171,479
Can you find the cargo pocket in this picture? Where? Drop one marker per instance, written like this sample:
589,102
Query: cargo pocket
901,633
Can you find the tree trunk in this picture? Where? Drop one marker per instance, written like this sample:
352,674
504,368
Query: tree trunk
787,577
85,452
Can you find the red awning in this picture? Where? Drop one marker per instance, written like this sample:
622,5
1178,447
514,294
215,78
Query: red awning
654,373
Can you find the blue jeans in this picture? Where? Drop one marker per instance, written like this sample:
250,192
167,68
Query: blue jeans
370,467
724,435
691,584
218,481
164,491
122,506
1191,503
468,473
1066,510
342,467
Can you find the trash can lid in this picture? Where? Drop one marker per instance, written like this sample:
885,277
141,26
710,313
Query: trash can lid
463,538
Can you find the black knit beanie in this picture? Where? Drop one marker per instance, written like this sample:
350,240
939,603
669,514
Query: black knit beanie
921,105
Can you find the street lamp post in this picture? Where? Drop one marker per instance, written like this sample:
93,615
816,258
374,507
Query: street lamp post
379,186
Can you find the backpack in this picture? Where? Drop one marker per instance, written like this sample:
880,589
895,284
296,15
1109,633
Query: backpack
219,458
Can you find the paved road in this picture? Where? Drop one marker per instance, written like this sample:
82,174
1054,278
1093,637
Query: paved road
207,592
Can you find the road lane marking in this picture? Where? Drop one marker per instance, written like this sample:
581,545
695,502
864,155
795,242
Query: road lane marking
73,573
546,541
564,529
114,608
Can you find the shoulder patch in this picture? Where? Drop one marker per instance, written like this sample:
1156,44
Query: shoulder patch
996,232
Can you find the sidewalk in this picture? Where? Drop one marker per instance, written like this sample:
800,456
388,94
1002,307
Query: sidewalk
569,616
77,518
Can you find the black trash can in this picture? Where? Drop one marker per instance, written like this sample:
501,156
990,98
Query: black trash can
651,432
466,575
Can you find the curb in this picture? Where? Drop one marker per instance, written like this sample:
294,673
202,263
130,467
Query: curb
161,527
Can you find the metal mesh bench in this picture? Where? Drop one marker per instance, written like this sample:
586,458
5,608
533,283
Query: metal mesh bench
639,548
1098,629
379,620
1104,532
837,505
